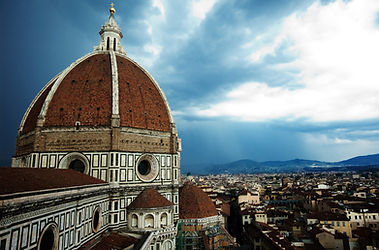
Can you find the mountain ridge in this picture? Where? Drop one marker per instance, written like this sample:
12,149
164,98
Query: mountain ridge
247,166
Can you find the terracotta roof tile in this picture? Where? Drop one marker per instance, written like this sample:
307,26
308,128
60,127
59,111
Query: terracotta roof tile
194,203
114,241
31,120
225,209
140,102
150,198
328,216
84,95
15,180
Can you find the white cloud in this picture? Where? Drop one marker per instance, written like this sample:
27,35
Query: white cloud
258,55
364,133
337,55
155,50
158,4
342,141
168,29
200,8
324,139
149,29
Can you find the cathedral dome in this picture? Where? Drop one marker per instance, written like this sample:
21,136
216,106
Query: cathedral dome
194,203
102,89
102,102
96,88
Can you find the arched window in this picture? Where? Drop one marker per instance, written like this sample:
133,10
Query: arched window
149,221
114,44
77,165
49,238
96,220
163,220
107,43
134,220
167,245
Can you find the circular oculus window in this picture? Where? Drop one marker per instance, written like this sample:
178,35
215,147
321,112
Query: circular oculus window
144,167
147,168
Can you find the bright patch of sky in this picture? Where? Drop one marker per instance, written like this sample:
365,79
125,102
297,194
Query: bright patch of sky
159,5
336,49
200,8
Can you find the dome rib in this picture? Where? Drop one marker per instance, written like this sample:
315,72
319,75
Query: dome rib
115,88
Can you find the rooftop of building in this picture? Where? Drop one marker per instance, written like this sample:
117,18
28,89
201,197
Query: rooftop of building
150,198
113,240
328,216
194,203
18,180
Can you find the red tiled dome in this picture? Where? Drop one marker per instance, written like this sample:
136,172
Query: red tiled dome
141,104
86,88
194,203
83,92
150,198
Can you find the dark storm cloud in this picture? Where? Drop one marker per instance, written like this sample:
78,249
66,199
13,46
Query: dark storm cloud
199,61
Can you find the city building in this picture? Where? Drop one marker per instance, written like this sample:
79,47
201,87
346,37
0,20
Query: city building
97,157
200,225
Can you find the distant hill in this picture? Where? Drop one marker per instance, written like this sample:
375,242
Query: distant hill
365,160
247,166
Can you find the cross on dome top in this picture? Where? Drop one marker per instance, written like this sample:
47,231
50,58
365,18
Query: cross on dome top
112,10
110,35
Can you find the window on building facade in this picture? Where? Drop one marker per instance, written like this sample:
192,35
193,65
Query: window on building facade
77,165
49,238
3,243
134,220
149,221
164,220
144,167
96,220
167,245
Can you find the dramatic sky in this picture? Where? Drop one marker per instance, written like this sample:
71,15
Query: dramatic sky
257,79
